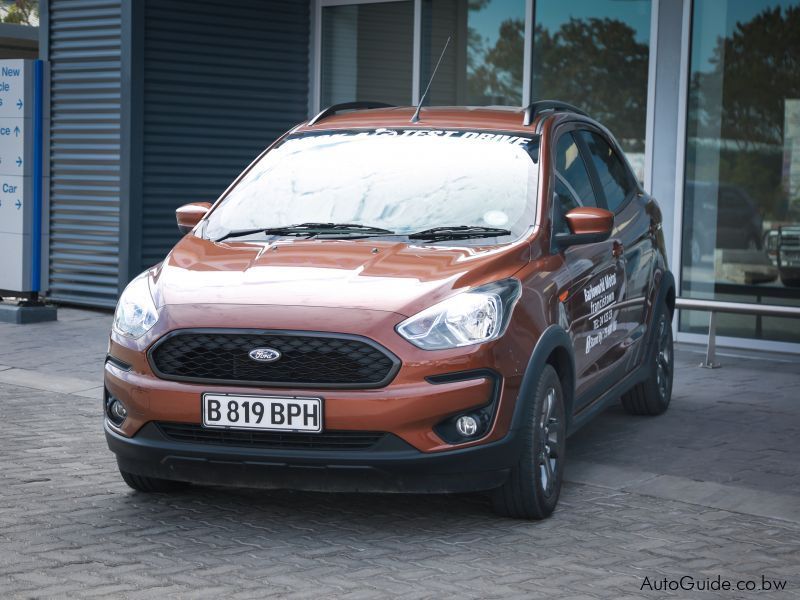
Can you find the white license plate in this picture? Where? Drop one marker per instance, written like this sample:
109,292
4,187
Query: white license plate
266,413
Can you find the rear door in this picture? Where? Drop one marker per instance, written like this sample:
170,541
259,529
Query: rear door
596,277
633,234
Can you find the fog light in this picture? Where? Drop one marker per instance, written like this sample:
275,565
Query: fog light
118,411
467,425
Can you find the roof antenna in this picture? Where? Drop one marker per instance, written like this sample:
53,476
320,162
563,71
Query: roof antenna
415,118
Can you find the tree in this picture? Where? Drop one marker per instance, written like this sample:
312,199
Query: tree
495,74
598,65
739,100
755,68
20,12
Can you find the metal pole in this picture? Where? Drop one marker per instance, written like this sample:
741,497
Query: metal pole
713,307
711,349
36,233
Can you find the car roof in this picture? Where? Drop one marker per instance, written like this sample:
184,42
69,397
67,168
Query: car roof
491,118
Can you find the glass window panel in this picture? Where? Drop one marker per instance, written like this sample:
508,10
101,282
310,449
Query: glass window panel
484,62
741,209
595,54
573,186
367,53
570,165
379,178
611,172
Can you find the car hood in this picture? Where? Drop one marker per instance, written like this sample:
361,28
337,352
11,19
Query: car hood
359,274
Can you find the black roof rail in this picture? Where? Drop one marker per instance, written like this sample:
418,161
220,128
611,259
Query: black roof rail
332,110
534,108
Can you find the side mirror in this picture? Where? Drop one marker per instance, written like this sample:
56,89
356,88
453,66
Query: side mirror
587,226
189,215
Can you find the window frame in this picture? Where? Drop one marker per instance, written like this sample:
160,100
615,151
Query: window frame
555,207
315,70
606,136
575,127
564,128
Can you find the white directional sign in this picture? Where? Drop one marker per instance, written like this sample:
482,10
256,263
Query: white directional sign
12,145
16,174
12,201
12,88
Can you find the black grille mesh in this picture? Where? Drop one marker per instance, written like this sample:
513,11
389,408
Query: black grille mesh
328,440
305,359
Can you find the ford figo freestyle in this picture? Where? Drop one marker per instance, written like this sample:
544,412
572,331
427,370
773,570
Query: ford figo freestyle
381,304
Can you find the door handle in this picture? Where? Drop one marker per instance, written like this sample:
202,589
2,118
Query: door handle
617,249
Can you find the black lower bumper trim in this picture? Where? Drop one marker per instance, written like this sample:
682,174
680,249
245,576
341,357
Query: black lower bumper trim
391,465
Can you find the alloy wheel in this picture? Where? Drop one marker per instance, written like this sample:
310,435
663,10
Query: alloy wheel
550,443
663,360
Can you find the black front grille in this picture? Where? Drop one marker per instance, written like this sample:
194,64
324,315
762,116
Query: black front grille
307,359
328,440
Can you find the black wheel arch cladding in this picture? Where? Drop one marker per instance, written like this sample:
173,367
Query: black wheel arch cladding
554,347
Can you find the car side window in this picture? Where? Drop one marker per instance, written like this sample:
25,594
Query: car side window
613,174
573,187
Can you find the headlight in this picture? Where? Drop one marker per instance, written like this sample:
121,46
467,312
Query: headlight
473,317
136,313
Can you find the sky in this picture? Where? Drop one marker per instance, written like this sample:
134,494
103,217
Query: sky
488,20
713,18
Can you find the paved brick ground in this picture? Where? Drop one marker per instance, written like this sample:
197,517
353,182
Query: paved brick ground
72,346
711,488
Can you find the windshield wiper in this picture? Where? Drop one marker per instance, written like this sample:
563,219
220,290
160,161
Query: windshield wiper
458,232
309,229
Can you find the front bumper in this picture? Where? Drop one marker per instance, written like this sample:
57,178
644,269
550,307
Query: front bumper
411,411
392,465
412,457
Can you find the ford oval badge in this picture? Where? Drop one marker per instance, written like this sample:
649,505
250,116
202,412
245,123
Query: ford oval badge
265,355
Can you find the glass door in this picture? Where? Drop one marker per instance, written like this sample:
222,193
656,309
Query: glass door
741,208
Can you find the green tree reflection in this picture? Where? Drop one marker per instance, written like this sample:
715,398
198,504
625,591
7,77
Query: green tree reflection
598,65
495,74
737,107
755,68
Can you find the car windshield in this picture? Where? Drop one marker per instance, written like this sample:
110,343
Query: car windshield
401,181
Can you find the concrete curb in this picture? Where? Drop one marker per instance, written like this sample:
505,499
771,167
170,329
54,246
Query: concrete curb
48,382
708,494
23,315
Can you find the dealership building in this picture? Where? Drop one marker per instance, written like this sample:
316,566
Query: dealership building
157,103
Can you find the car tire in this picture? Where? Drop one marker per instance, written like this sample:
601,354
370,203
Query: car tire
533,486
151,485
652,396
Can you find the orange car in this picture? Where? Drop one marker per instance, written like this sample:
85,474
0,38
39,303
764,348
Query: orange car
377,304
